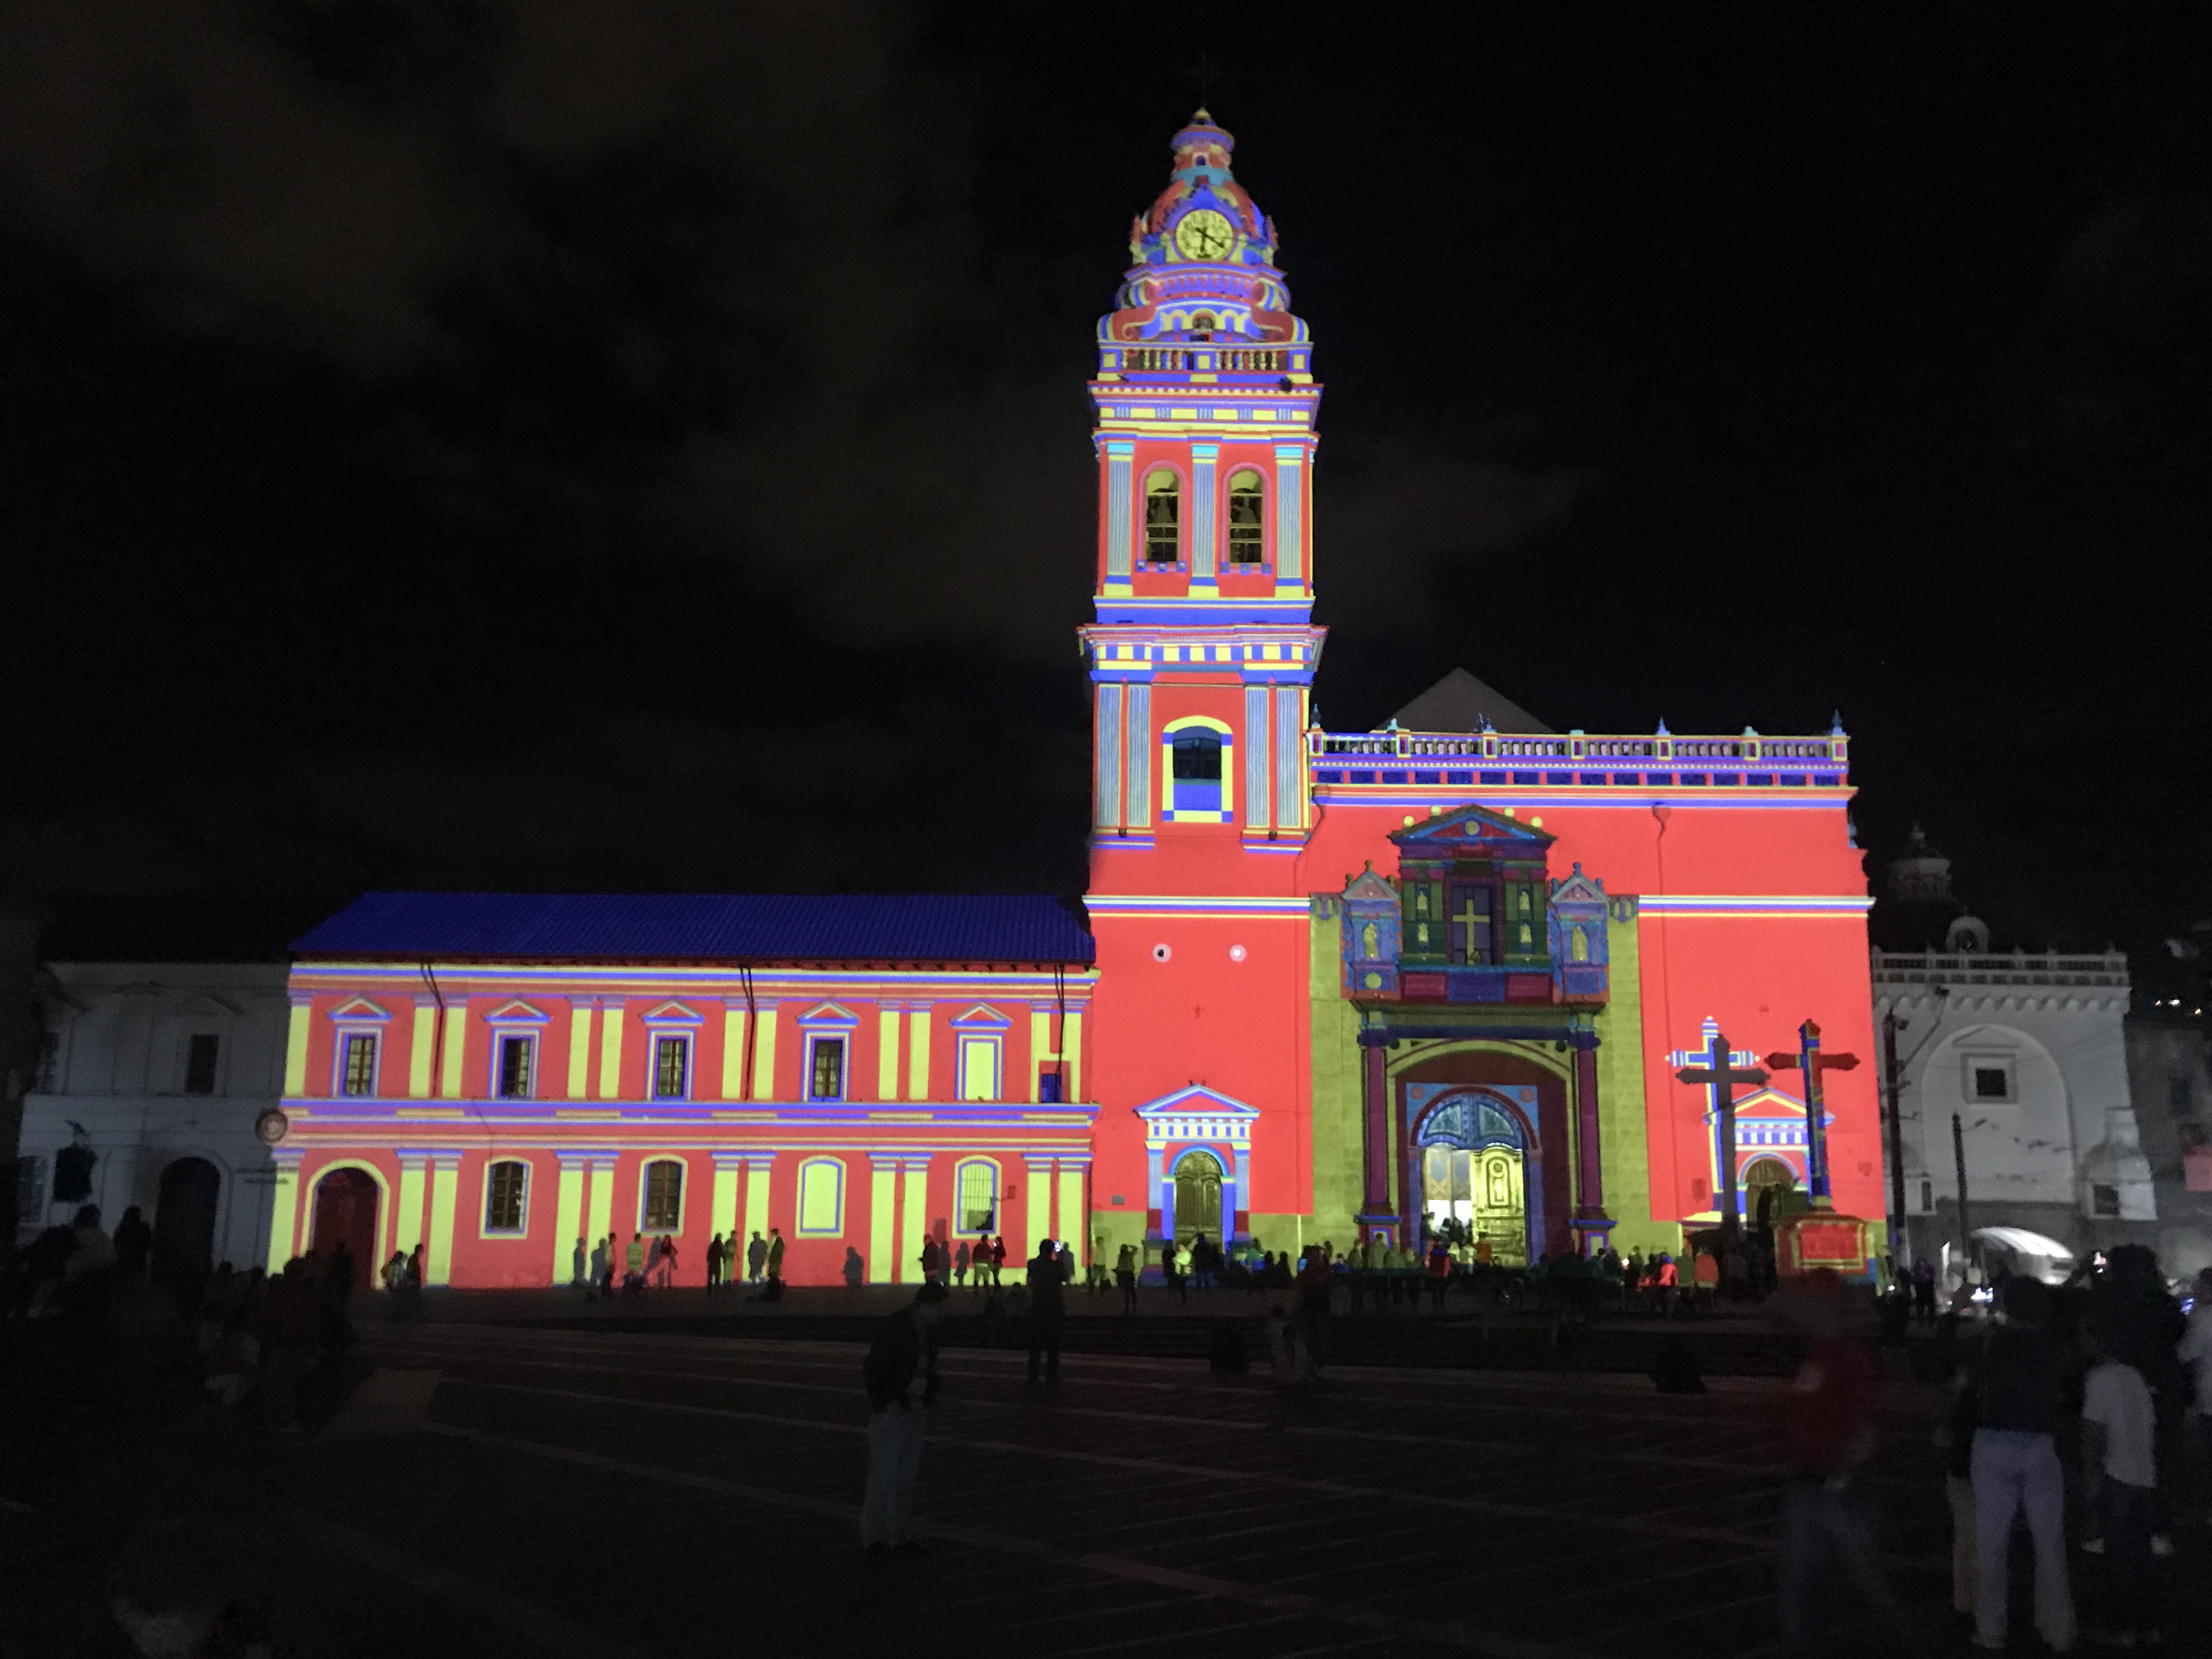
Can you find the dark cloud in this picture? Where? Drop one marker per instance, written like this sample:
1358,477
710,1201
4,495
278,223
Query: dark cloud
595,443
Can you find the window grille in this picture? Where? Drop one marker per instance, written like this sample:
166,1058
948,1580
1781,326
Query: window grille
1247,520
1162,519
826,1080
664,1196
517,1058
359,1074
672,1068
505,1184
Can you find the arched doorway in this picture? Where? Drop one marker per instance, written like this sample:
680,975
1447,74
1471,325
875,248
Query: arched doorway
184,1219
1764,1183
1472,1163
1198,1196
345,1213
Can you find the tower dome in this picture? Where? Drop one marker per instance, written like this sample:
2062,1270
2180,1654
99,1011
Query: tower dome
1203,258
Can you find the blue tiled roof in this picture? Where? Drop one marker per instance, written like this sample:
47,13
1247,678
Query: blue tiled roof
659,926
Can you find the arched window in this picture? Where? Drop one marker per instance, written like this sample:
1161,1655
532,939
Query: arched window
978,1190
1247,526
1203,323
506,1183
821,1197
662,1208
1197,769
1163,517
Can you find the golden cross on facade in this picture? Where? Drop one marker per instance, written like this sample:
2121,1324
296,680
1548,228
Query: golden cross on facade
1478,928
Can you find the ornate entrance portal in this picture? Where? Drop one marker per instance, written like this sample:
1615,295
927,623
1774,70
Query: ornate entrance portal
1473,1169
1198,1196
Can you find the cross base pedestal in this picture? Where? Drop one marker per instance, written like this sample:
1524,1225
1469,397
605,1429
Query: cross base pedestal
1805,1240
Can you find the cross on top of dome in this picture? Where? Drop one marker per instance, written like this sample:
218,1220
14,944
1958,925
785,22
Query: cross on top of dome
1203,256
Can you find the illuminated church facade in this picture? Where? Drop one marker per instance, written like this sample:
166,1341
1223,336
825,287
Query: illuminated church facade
1324,985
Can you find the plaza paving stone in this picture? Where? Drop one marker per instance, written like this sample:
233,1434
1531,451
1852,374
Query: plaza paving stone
619,1493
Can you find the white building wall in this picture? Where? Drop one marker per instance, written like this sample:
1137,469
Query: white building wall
121,1036
2054,1028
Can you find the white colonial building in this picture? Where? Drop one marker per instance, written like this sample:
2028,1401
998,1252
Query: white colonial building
161,1071
2027,1053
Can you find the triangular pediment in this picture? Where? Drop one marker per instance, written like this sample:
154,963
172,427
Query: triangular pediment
1770,1105
1578,889
829,1013
1475,830
518,1011
358,1008
673,1012
1368,888
1196,1101
981,1016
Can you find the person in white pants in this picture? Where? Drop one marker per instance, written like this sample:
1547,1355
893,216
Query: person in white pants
2016,1468
899,1372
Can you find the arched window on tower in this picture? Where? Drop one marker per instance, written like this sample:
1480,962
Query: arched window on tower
1197,769
1247,525
1163,517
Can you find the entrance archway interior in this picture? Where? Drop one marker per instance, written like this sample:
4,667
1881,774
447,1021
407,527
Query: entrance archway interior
1473,1168
184,1218
1198,1196
345,1213
1764,1183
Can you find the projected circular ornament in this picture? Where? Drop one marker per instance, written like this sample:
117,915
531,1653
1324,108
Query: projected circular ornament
272,1126
1161,953
1236,953
1204,234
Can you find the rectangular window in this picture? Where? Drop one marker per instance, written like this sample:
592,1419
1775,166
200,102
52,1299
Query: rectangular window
1050,1085
979,1068
826,1077
1928,1195
822,1198
2103,1200
1466,922
672,1068
664,1196
1992,1082
518,1058
504,1185
358,1075
202,1051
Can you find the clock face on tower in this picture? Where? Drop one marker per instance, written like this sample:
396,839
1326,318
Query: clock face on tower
1204,234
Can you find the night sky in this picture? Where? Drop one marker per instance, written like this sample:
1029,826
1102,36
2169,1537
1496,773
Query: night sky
644,445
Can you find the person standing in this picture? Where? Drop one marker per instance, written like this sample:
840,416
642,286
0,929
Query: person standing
856,1268
593,1275
2195,1352
775,1253
634,1265
134,1245
1125,1276
1048,1289
932,1259
756,1258
900,1373
2015,1468
713,1263
2119,1469
1826,1532
579,1266
960,1264
998,1258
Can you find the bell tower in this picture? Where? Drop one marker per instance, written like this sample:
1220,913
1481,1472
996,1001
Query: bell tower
1201,658
1203,651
